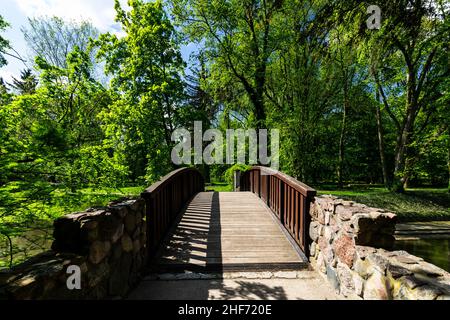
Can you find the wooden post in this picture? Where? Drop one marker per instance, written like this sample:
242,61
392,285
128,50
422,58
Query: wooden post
237,181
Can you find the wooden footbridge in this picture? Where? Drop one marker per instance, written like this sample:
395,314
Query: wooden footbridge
263,226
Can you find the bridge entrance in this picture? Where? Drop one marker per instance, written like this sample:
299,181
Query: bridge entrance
262,227
250,244
227,231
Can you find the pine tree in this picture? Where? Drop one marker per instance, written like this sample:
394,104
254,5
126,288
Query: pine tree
26,84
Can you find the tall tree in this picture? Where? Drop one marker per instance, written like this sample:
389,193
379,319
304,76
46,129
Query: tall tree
381,141
53,38
199,97
409,46
26,84
238,34
5,95
201,105
54,134
342,51
146,68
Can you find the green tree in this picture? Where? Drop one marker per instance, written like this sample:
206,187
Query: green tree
409,47
200,102
238,34
52,134
52,143
26,84
5,95
146,68
53,39
4,44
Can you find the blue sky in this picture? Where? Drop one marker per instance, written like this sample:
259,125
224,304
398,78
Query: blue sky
99,12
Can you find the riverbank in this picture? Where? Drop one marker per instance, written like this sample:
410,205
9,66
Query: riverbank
428,240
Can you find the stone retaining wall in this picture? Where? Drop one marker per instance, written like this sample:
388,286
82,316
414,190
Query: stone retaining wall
350,246
107,245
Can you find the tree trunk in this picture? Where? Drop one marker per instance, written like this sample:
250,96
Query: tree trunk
448,158
258,100
386,179
10,250
401,154
342,138
406,133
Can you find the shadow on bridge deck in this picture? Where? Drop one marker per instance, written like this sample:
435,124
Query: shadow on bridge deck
228,231
229,246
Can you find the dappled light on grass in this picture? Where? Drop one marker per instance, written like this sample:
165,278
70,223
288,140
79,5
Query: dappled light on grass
413,205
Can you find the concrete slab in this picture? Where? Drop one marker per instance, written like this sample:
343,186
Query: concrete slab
303,285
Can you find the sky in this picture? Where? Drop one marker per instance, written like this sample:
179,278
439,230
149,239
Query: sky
99,12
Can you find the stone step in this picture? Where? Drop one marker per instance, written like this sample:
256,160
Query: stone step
201,267
232,275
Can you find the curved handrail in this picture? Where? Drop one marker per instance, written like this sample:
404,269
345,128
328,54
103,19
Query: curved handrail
291,181
168,178
164,200
288,198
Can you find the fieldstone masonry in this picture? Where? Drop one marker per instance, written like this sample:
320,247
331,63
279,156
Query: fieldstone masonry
350,246
108,245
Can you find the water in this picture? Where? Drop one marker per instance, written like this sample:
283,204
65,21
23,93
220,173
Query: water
435,251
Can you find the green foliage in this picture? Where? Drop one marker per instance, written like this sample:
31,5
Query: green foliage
54,132
314,70
239,40
51,140
146,68
410,69
26,84
4,44
5,95
229,173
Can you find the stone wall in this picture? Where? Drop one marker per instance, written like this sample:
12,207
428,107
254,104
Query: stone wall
107,245
350,246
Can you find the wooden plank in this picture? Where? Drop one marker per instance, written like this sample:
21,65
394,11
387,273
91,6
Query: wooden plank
227,229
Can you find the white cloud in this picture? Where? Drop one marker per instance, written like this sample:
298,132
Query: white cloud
7,75
100,13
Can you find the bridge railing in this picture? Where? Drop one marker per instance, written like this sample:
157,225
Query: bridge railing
288,198
165,199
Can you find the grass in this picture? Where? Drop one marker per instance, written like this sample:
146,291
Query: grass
33,215
219,187
418,204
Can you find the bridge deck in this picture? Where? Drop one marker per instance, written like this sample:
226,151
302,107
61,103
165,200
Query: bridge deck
227,231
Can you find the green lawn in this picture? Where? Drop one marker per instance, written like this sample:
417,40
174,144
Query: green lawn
419,204
219,187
